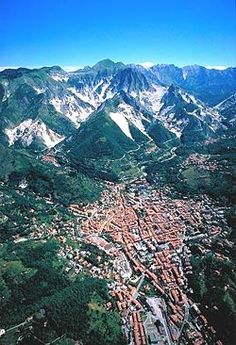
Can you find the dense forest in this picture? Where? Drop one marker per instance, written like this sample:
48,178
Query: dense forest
214,285
63,185
192,180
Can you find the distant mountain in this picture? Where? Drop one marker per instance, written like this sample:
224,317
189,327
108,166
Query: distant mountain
108,65
130,80
210,85
115,105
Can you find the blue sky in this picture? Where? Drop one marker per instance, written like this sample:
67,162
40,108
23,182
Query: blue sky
82,32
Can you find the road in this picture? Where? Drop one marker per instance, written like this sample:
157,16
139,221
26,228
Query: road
135,295
160,159
126,153
107,221
173,154
20,324
166,326
186,315
139,286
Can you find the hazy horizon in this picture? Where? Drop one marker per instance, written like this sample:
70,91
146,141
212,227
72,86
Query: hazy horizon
146,64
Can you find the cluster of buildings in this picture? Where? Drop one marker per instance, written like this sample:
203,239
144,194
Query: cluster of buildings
50,158
146,235
201,161
139,239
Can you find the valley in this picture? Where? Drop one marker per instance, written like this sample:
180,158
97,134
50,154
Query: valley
117,206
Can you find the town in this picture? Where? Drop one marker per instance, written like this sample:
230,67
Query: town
138,239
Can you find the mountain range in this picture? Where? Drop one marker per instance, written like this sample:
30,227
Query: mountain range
115,107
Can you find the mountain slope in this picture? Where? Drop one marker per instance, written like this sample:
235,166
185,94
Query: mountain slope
39,95
41,107
106,133
227,108
185,116
210,85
